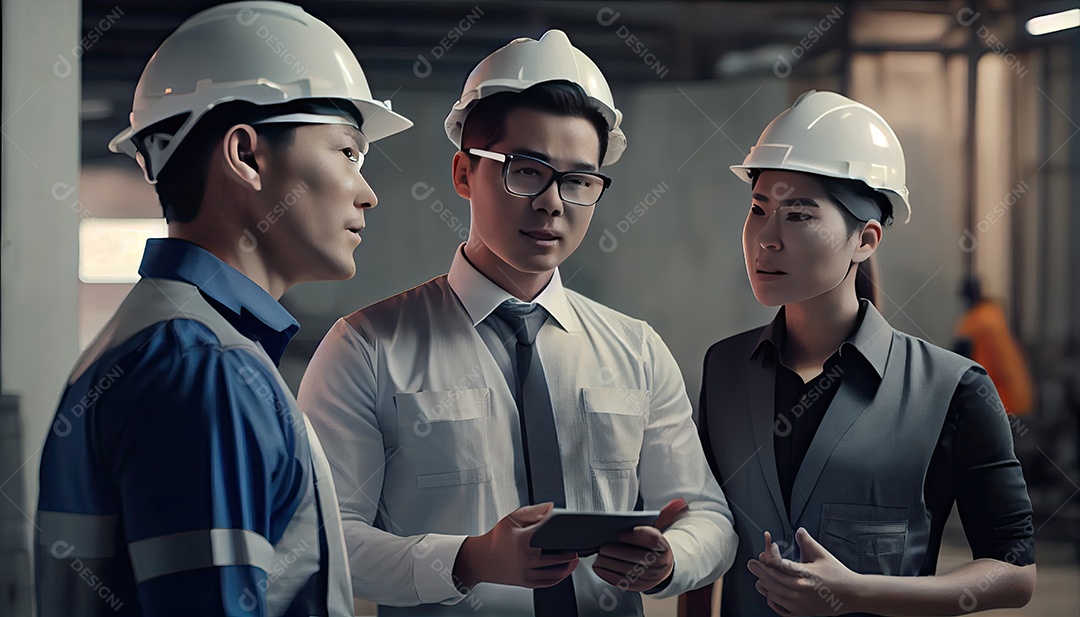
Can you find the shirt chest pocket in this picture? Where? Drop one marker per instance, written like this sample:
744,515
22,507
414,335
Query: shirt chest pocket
615,420
443,435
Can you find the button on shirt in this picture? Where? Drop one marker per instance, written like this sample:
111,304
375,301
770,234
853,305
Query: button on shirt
412,400
170,433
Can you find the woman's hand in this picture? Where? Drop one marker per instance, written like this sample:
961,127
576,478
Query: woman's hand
817,586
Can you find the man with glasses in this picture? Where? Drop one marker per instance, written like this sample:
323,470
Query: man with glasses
528,176
459,413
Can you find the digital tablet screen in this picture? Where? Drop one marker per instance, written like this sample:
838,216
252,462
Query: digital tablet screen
585,532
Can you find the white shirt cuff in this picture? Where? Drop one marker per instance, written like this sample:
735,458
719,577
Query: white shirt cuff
433,568
678,582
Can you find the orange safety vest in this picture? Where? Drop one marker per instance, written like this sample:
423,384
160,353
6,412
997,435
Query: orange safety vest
994,347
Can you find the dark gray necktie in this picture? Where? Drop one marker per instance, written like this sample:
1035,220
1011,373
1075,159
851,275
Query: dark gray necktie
543,465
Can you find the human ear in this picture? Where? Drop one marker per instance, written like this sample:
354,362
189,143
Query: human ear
239,156
462,167
869,240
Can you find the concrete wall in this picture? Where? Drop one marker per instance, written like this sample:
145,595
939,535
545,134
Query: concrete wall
40,124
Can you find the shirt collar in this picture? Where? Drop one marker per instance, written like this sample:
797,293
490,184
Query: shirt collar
773,334
246,305
480,296
871,340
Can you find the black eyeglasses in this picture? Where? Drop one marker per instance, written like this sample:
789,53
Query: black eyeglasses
526,176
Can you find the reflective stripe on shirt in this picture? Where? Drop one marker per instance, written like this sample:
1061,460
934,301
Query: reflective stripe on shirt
192,550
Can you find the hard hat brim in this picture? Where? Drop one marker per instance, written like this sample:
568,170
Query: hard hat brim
899,202
379,121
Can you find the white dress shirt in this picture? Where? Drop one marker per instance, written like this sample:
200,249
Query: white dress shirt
419,422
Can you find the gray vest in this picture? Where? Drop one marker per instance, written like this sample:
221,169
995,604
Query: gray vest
297,554
859,490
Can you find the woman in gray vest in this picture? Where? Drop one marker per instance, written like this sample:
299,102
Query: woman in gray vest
843,443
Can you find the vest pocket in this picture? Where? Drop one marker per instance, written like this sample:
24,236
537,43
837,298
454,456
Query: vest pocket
868,539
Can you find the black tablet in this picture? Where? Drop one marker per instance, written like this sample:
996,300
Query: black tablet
585,532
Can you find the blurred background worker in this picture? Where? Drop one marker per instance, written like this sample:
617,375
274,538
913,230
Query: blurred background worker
983,335
179,475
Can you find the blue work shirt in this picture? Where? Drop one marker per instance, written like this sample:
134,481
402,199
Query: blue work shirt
171,432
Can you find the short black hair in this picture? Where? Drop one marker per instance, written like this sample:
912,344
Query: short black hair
486,122
181,184
846,193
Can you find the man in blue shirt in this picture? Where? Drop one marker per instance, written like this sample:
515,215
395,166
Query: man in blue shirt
180,478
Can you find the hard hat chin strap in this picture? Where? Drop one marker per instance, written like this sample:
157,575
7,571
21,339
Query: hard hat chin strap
154,149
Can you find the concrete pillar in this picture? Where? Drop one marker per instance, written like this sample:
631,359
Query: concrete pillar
39,265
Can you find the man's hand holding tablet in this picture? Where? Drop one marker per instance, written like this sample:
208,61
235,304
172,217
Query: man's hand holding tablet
504,555
641,559
633,553
585,532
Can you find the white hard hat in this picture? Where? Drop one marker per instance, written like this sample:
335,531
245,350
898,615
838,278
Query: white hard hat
263,53
525,62
831,135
